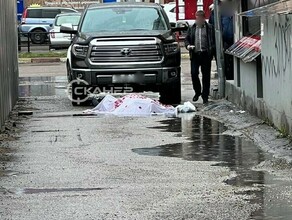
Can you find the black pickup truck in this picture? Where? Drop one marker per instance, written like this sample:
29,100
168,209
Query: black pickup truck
124,45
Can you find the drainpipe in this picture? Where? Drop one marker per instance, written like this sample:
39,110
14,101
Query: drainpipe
219,49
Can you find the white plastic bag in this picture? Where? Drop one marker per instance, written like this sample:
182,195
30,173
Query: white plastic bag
186,107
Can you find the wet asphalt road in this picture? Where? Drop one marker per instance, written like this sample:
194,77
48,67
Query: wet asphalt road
68,166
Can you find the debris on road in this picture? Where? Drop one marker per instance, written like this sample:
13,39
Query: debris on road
132,105
186,107
25,113
240,111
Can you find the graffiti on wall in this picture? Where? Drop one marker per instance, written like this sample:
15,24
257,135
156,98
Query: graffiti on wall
276,53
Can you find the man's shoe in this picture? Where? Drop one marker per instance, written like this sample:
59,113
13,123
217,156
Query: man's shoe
196,98
205,101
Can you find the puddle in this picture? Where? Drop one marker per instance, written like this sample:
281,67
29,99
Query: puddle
42,86
45,131
42,80
7,173
53,190
208,143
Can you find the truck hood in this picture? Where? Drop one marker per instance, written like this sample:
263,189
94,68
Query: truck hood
163,35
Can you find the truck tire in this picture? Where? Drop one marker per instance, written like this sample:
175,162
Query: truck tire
79,97
170,94
69,72
38,36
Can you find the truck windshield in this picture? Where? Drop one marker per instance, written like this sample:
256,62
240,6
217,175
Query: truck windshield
123,19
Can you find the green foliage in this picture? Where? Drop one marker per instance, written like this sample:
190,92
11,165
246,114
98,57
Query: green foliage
42,55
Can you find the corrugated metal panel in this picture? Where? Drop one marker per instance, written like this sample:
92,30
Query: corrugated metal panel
8,58
281,7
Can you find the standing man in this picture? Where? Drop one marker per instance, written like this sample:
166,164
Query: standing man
200,42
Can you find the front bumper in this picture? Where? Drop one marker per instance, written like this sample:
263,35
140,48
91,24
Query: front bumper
139,76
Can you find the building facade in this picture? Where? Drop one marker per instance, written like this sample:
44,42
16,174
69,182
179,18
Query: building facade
8,58
263,85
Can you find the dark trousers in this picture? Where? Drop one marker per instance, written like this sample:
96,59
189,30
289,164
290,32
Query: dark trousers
203,60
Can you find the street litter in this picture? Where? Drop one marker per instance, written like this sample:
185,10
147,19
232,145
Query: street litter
241,112
132,105
186,107
25,113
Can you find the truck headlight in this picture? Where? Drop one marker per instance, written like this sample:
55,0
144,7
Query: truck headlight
171,48
80,50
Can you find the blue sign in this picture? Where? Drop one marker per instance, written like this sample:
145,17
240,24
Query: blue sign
20,9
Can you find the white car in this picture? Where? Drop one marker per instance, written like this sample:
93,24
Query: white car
170,10
61,40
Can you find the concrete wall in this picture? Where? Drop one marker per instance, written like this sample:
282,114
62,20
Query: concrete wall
267,92
277,69
8,58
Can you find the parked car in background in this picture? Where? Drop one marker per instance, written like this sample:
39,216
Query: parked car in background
61,40
37,21
170,10
129,44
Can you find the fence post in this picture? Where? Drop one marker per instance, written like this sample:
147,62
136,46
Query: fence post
19,39
219,49
28,42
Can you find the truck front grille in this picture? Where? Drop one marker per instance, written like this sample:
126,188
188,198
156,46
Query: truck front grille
104,53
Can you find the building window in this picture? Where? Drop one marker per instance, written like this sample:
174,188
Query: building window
252,25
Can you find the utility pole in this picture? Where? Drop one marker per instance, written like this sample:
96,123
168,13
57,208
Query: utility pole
219,49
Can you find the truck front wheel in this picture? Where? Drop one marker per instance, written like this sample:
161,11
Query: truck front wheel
170,93
79,96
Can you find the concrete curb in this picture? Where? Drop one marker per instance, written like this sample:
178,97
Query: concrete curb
42,60
63,59
24,60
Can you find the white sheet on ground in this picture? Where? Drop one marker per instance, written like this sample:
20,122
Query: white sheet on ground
132,105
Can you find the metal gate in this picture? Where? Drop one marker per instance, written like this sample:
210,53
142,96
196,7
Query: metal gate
8,58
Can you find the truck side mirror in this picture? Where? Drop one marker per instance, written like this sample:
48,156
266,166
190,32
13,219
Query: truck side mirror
177,27
172,24
68,29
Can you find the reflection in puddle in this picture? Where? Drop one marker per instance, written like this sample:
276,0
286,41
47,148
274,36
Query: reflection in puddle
42,86
6,173
207,143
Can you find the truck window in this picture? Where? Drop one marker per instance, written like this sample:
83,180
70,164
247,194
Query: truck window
67,11
70,19
123,19
34,13
50,13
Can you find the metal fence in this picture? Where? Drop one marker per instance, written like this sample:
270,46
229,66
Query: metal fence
25,43
8,58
